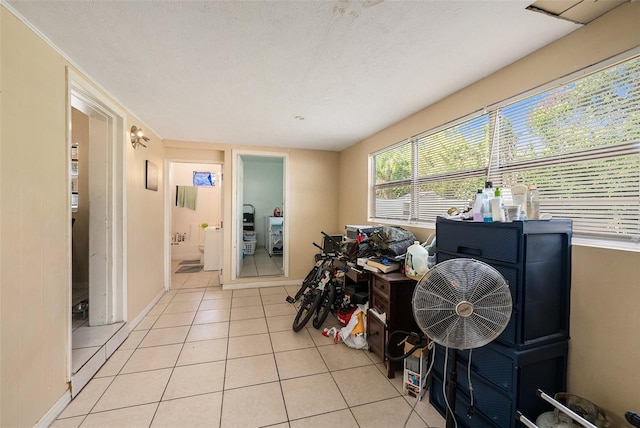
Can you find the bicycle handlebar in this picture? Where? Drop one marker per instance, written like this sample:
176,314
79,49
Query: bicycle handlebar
337,255
330,237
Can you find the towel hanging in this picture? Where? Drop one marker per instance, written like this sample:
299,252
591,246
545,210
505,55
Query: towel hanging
187,197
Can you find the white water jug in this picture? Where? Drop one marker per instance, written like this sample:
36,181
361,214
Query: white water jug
416,261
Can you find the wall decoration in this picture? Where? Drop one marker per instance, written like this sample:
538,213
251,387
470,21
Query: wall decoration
74,167
151,181
74,151
74,202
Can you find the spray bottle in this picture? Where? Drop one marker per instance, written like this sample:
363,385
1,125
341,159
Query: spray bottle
497,206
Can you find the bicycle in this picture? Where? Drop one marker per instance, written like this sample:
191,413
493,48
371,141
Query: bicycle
333,294
312,289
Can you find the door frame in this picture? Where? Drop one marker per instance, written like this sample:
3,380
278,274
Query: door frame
168,167
80,93
236,207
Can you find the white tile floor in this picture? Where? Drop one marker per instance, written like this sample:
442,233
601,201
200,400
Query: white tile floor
261,264
204,356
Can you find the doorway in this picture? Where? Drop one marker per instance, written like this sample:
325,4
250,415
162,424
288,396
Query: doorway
259,215
97,250
194,212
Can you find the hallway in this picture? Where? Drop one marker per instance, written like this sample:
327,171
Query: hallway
261,264
208,357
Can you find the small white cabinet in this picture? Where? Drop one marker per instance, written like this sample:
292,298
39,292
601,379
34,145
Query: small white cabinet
274,231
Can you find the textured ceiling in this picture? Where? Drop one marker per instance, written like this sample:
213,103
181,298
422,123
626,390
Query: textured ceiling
240,72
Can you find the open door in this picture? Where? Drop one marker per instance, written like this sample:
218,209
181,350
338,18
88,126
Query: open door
105,213
106,208
239,217
260,182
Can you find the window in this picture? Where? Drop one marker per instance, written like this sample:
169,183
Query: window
205,179
578,141
393,182
423,177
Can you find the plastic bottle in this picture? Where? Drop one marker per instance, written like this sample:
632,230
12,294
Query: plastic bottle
488,193
486,209
477,206
489,190
523,214
416,261
497,206
533,203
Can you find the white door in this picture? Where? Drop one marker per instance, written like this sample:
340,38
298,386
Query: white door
107,250
99,242
239,216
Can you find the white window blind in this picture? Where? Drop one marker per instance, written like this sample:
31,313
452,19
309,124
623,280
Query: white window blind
423,177
451,166
393,182
579,142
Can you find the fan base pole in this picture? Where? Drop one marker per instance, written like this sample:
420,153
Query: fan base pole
451,389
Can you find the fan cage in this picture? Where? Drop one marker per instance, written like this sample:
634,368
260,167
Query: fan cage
462,303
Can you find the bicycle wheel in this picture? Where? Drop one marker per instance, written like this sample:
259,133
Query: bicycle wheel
328,297
308,307
306,283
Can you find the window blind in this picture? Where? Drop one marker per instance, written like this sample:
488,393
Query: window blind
451,166
393,182
578,142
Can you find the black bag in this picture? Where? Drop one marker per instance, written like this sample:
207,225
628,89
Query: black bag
393,240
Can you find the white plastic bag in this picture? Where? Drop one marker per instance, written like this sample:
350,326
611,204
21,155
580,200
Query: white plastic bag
354,333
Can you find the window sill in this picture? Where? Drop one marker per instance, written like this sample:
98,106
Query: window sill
606,244
575,240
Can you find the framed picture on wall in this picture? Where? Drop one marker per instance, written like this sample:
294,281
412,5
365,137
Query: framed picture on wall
74,202
74,167
151,177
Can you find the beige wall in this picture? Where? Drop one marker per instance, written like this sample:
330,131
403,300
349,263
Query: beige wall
145,224
311,204
605,345
35,225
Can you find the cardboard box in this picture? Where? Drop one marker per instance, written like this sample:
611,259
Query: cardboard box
415,369
410,343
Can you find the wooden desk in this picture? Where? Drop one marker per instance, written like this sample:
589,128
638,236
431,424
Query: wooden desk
390,294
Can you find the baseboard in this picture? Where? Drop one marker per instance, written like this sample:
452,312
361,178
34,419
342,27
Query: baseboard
134,323
53,413
89,369
82,377
261,284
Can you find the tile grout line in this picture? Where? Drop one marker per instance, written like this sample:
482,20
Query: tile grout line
275,362
223,391
155,412
118,373
224,375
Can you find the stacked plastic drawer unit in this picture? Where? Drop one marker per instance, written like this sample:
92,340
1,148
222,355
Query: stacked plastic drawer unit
535,259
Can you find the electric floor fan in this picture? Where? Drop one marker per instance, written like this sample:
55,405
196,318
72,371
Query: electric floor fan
461,304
